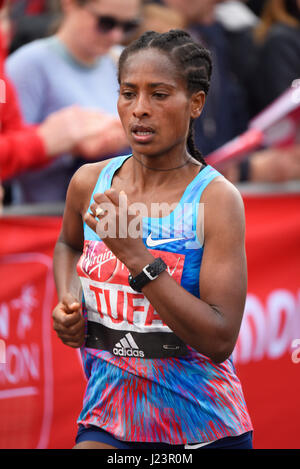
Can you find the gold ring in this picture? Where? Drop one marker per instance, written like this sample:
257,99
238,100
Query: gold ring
99,211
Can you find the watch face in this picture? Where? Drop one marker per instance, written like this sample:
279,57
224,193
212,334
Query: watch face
132,282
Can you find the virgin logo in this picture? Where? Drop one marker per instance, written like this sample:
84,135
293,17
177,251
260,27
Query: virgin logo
268,329
99,262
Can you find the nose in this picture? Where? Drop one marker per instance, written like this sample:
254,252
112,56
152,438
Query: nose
142,106
116,35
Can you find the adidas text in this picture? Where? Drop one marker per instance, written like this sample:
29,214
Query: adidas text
123,352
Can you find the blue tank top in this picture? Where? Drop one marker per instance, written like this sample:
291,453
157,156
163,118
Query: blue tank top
144,383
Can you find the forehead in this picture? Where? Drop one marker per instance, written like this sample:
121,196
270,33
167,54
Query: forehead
120,8
190,8
150,65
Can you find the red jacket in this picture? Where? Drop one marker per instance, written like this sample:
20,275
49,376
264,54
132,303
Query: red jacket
21,147
32,7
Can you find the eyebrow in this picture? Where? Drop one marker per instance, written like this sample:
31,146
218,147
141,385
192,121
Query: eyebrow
151,85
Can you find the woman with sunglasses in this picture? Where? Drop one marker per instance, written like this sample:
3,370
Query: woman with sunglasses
77,65
158,239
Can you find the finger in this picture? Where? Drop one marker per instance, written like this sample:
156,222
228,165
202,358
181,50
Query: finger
100,205
90,221
113,196
73,340
70,319
68,328
74,344
78,338
100,198
70,303
99,211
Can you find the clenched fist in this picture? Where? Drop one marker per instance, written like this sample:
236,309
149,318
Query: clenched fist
68,322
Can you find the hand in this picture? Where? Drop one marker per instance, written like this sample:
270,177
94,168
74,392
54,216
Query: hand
276,165
109,140
118,226
68,322
63,130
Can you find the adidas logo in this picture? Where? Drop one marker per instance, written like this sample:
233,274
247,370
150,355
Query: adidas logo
127,348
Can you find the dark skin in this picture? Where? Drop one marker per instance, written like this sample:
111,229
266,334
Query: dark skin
152,95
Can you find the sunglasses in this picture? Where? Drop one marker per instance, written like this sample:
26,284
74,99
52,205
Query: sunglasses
107,23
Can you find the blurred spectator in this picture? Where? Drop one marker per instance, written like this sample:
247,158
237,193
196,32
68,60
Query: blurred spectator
256,6
235,15
225,114
227,29
268,68
272,165
278,59
24,146
74,66
32,20
160,18
239,23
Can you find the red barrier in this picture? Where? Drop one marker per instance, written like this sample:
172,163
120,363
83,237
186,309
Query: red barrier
42,383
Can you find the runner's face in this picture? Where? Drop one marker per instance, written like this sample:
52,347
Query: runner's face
154,105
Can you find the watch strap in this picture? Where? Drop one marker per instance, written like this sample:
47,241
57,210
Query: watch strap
150,272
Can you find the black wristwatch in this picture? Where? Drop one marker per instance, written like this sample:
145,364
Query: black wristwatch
149,272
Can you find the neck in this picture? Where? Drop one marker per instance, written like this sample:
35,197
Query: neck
154,168
157,170
67,38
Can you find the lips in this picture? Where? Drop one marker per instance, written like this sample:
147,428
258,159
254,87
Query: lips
142,133
138,128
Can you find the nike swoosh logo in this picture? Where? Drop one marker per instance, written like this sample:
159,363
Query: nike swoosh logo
157,242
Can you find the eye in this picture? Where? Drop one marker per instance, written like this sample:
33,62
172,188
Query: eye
160,96
127,94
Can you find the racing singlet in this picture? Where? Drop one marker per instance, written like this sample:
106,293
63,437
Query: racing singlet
144,384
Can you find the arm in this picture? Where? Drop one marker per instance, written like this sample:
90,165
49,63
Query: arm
67,318
210,324
26,146
271,165
20,146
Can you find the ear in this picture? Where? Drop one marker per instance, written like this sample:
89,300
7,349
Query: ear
197,104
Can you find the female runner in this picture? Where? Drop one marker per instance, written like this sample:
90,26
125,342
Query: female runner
158,241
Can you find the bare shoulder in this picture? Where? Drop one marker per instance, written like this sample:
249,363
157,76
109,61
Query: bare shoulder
223,191
223,206
83,183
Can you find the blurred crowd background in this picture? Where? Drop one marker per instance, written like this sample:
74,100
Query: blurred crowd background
59,89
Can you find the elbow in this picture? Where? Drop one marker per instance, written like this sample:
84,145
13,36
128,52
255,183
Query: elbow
217,354
221,355
219,350
223,349
222,344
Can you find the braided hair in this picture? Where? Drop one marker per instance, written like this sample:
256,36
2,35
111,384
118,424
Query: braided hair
192,61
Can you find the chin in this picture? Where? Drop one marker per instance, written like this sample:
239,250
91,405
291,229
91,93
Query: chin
101,50
148,152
